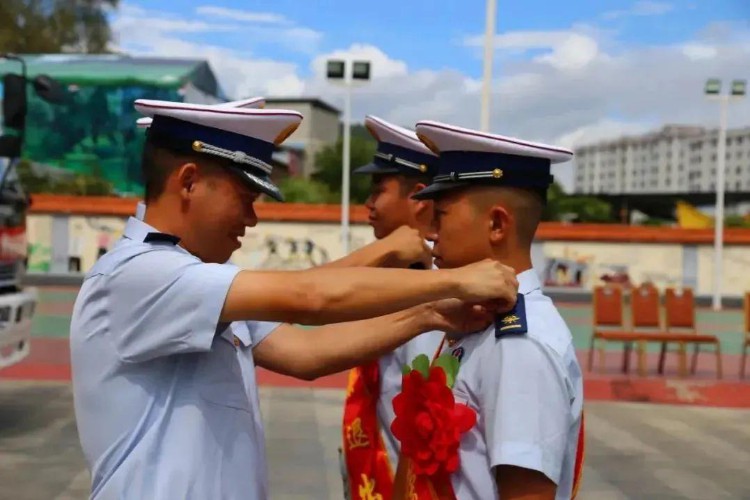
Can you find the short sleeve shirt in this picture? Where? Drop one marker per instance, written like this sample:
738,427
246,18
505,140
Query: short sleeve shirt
165,395
527,391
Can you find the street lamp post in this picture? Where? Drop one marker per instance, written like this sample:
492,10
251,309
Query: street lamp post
337,73
489,38
713,92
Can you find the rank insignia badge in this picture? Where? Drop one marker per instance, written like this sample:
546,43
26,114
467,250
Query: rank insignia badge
514,321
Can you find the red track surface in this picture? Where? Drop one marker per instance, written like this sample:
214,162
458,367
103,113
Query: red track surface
49,361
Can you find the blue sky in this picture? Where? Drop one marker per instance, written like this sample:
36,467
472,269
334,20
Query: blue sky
431,34
566,72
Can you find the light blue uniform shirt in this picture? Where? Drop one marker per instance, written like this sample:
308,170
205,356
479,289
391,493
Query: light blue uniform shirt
165,396
527,391
390,366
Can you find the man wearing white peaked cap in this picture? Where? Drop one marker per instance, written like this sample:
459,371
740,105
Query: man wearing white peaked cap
400,167
520,375
251,102
165,335
145,122
397,250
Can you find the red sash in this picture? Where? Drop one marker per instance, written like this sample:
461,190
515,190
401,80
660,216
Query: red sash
367,464
580,456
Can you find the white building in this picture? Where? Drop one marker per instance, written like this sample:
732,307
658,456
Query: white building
676,159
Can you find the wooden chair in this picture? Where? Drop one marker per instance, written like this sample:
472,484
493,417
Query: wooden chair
607,317
679,305
645,313
746,343
645,323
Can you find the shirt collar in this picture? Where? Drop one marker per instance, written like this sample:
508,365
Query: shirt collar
137,230
140,210
528,281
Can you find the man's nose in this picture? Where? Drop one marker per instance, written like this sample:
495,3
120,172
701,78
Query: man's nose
251,218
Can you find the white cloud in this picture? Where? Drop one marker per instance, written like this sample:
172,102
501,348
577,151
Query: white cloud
132,23
381,66
602,129
699,51
136,18
568,91
241,15
153,33
565,49
627,92
642,8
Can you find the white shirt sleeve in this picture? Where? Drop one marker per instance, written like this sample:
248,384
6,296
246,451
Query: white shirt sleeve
525,407
259,330
163,303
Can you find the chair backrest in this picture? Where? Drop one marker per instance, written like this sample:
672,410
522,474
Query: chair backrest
644,306
679,305
608,309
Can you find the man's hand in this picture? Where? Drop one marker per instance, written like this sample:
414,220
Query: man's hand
456,317
405,246
490,283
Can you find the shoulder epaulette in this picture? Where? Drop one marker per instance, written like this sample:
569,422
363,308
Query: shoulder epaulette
513,321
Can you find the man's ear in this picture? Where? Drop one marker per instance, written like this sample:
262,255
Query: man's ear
421,205
500,223
187,176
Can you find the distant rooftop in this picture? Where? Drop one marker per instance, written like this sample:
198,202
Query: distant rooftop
315,102
118,70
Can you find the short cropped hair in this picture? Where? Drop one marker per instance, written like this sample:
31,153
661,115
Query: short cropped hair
409,182
162,156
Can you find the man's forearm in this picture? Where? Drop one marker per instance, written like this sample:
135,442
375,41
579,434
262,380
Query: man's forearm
319,296
367,293
309,354
376,254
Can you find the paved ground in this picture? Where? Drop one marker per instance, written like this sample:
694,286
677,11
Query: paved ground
635,451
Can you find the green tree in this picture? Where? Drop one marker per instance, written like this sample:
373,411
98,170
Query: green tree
54,26
328,164
562,206
586,209
83,185
301,190
555,194
737,221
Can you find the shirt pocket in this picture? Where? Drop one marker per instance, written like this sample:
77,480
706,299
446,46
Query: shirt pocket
219,376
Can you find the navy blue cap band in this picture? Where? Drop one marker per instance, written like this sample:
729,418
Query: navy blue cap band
507,169
188,131
404,159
